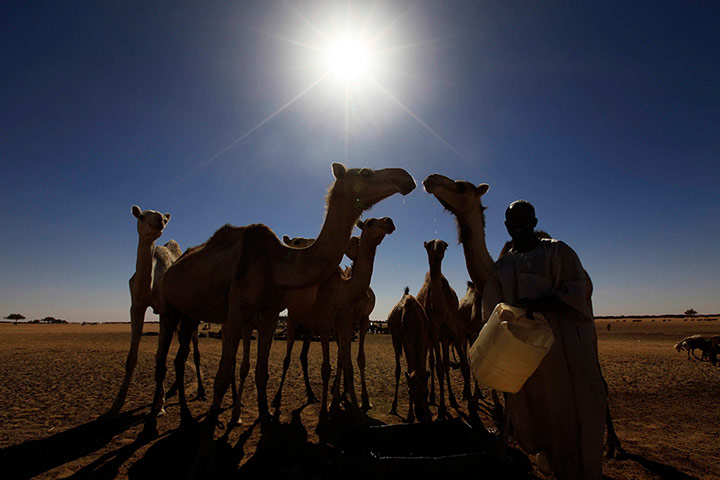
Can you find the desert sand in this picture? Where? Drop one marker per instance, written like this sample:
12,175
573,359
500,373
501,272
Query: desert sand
57,380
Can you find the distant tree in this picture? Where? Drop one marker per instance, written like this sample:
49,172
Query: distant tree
690,312
16,317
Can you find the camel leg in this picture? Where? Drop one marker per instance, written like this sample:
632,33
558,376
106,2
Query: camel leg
137,320
286,363
237,324
464,365
397,347
185,335
445,343
233,385
168,323
348,368
431,364
196,359
411,408
266,330
613,440
364,395
325,372
339,369
307,339
442,409
244,370
501,446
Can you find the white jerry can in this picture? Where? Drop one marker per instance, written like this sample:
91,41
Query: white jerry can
509,348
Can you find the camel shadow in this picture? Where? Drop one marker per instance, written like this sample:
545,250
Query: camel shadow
283,452
173,454
35,457
355,448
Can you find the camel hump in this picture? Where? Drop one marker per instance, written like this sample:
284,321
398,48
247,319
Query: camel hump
174,248
255,238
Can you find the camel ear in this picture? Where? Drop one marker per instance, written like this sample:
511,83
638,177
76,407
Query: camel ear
286,240
360,224
444,244
483,188
425,244
167,216
339,170
136,211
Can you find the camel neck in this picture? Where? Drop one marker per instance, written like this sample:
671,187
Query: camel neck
477,258
143,265
362,270
435,270
310,266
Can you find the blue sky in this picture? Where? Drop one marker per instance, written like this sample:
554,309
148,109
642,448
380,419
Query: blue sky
604,115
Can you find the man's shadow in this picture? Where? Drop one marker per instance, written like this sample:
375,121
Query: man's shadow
35,457
660,469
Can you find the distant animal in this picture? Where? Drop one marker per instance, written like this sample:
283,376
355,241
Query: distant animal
695,342
714,350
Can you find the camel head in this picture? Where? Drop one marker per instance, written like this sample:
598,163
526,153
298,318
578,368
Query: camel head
418,392
435,250
457,196
150,224
353,248
298,242
363,187
375,229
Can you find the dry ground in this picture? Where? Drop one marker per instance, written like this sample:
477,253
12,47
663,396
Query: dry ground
57,379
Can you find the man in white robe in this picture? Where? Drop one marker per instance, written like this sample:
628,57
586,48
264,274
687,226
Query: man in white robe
560,411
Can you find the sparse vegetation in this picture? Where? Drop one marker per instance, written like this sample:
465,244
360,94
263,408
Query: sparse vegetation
16,317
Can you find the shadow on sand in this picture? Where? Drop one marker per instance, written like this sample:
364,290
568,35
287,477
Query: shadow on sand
35,457
663,471
353,448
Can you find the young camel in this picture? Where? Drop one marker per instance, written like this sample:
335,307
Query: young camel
441,306
408,325
242,275
361,312
330,307
150,266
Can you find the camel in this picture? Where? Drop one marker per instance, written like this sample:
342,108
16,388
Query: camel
331,307
242,275
408,323
441,306
463,200
470,322
713,349
151,264
361,312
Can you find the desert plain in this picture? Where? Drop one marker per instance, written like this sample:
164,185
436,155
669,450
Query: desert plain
58,379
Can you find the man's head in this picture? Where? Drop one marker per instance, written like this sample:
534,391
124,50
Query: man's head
520,220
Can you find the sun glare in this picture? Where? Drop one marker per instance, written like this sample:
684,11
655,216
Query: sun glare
347,59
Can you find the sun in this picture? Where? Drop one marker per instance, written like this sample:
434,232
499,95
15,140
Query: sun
347,59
